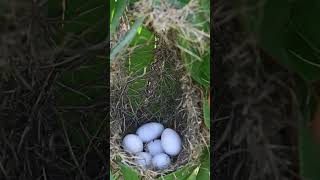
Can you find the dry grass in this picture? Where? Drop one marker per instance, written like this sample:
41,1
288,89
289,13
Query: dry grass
163,16
178,109
34,139
168,87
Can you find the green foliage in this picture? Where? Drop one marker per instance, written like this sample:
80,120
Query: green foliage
178,3
193,175
304,43
182,173
128,173
204,171
71,91
206,111
111,176
69,82
196,61
143,54
138,62
201,172
141,42
308,150
126,40
116,10
287,30
199,69
81,85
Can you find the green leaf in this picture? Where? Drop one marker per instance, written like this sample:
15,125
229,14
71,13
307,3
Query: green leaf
204,171
197,64
205,5
196,61
308,149
138,62
206,111
127,39
128,173
111,177
193,175
178,3
271,26
118,12
112,9
143,54
304,16
304,41
201,172
287,32
182,173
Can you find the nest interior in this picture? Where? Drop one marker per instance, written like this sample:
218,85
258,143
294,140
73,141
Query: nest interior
165,95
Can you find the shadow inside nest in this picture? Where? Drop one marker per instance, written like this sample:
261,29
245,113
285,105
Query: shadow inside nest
256,116
165,95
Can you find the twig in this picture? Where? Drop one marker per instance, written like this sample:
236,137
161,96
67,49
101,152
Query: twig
70,148
75,91
4,171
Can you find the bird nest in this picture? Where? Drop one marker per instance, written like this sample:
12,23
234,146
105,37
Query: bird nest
165,94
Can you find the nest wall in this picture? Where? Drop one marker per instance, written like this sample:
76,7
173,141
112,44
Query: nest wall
167,96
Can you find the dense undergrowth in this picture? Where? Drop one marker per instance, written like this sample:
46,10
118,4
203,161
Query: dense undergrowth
53,112
264,49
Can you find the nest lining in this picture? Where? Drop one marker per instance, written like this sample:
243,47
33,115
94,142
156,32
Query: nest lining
168,96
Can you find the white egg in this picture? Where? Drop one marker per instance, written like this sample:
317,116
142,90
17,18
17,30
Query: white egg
161,161
150,131
171,142
143,159
154,147
132,143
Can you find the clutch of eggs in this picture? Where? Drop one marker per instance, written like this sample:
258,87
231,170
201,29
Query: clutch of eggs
158,151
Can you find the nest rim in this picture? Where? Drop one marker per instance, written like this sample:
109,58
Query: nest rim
194,136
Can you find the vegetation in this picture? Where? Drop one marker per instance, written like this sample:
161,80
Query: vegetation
135,31
273,40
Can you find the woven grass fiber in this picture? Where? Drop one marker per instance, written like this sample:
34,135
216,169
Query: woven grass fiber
167,96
